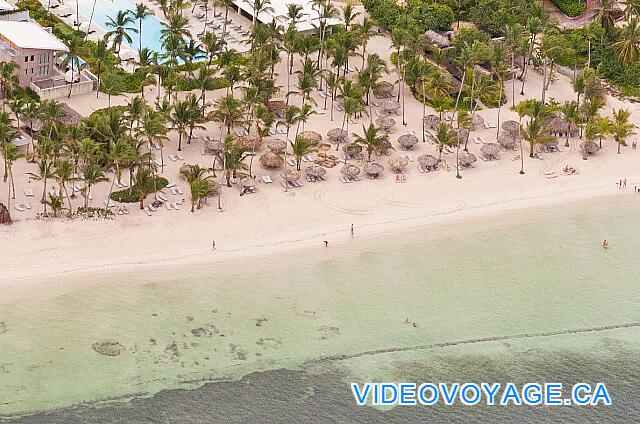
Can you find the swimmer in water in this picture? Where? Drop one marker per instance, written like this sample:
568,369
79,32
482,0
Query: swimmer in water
605,243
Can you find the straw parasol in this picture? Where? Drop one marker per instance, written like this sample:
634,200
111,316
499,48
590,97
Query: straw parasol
390,105
429,162
271,160
466,159
337,135
490,150
69,116
291,175
383,89
213,147
407,141
350,171
432,37
589,148
477,120
315,171
511,127
385,122
313,137
398,164
561,127
276,145
431,121
352,150
249,142
507,141
276,106
373,169
248,182
463,134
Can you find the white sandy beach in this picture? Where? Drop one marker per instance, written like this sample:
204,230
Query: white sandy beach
272,220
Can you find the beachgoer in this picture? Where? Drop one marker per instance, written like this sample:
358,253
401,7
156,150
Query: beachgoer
406,321
605,243
620,185
213,245
351,230
624,183
326,243
414,324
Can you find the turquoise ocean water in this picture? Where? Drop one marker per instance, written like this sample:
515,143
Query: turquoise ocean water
278,339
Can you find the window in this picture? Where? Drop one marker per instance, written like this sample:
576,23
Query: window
26,59
32,58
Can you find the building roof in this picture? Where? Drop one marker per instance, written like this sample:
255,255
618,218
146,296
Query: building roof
6,6
30,35
308,22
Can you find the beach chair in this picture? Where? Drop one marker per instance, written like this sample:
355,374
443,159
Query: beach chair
421,169
19,208
267,179
173,158
291,162
171,185
179,190
159,162
168,206
179,156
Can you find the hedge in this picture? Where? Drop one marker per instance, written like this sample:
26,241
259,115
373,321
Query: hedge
571,7
129,195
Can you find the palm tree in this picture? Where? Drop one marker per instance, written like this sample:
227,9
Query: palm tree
602,126
100,58
399,40
180,118
444,136
536,132
31,112
301,147
571,115
604,14
56,204
200,183
371,141
621,128
140,13
8,78
228,112
514,38
11,154
44,174
628,48
92,174
120,29
259,7
233,159
64,174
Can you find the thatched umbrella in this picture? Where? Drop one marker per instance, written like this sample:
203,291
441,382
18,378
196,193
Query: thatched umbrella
249,142
352,150
490,150
407,141
350,171
184,171
589,148
383,89
512,127
428,162
477,120
213,147
432,37
398,164
291,175
337,135
431,121
271,160
69,116
507,141
466,159
248,183
463,134
315,171
373,169
276,145
313,137
390,105
385,122
276,106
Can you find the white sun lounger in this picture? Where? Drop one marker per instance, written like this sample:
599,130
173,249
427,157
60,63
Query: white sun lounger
28,192
162,197
267,179
173,158
159,162
20,208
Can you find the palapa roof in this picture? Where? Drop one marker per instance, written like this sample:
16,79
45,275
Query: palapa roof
385,121
315,171
69,117
350,170
398,164
439,40
249,142
506,140
490,149
291,175
337,133
248,182
407,141
313,137
352,149
589,147
276,105
427,160
213,147
276,145
383,89
431,121
373,168
271,160
467,158
390,104
560,125
511,126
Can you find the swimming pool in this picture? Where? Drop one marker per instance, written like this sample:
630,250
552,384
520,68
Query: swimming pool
105,9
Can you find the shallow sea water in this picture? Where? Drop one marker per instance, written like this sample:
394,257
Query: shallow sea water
266,327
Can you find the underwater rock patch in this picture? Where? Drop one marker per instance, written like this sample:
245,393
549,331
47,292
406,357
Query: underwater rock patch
108,348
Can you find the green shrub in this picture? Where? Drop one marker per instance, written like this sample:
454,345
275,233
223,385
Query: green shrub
571,7
130,196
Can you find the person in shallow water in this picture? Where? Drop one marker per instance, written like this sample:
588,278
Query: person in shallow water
605,243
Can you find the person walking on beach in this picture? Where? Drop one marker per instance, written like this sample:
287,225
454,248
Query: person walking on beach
351,230
624,183
620,185
326,243
213,245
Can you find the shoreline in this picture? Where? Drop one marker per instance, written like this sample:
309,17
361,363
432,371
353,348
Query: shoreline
370,231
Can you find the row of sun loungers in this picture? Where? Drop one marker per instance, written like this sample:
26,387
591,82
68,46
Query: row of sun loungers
291,184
